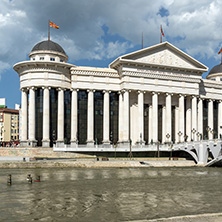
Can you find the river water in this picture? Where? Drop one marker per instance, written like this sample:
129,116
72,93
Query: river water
113,194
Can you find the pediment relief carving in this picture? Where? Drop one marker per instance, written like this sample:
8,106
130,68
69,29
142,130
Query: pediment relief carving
164,57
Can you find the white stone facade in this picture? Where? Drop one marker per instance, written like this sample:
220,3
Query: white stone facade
162,77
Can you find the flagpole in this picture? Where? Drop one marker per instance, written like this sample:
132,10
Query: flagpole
49,31
160,35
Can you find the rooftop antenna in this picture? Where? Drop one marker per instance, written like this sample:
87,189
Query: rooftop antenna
142,41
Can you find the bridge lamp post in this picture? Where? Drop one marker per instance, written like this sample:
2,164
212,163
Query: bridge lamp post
2,127
193,131
180,134
208,130
212,132
168,136
198,135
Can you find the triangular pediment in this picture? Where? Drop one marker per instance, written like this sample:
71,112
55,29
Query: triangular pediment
163,54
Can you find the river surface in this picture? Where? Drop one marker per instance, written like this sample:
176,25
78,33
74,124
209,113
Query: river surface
113,194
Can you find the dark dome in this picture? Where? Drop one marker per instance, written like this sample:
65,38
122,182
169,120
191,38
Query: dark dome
216,69
48,45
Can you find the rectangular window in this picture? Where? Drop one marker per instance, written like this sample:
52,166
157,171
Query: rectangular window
11,130
12,117
52,59
41,58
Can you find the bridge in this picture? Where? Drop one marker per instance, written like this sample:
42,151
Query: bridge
204,152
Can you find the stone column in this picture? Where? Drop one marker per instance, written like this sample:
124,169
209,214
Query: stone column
155,116
181,118
140,139
24,121
200,118
210,118
32,140
60,118
164,139
90,119
168,117
74,117
120,139
219,119
194,117
106,124
46,127
176,124
150,136
126,117
188,119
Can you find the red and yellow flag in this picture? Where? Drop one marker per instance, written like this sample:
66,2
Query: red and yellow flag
51,24
161,31
220,51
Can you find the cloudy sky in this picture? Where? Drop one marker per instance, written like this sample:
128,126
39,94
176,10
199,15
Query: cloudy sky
95,32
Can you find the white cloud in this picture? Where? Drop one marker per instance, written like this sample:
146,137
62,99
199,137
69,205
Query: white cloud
24,23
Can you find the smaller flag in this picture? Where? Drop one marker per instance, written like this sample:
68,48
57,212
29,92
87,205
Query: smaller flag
220,51
161,31
51,24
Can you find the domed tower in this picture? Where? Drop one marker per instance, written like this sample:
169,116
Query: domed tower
43,81
215,73
48,51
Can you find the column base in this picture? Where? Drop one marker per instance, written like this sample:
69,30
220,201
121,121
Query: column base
60,143
90,143
32,143
24,143
74,143
106,144
140,142
45,143
124,144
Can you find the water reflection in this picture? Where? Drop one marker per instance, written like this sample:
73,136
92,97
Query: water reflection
109,194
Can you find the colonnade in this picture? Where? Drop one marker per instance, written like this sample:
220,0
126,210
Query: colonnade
188,122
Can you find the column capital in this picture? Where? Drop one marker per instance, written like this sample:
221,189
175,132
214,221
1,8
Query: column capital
180,95
60,89
91,90
31,87
141,91
194,96
24,89
106,91
72,89
46,87
169,94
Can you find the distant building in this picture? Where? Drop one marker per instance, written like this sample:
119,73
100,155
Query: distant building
9,126
153,95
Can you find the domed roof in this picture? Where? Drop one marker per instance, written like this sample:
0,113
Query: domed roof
48,45
216,69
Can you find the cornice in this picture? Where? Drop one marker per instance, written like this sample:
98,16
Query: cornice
212,84
161,75
94,73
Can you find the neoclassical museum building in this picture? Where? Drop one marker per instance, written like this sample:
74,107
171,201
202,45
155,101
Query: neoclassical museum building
152,95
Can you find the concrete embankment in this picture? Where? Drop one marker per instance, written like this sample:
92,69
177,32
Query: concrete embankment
45,158
214,217
87,163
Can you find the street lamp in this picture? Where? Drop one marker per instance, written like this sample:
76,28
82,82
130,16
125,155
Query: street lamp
168,136
193,131
208,130
180,134
212,132
1,134
198,135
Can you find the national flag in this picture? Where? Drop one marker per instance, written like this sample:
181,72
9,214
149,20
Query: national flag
51,24
220,51
161,31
